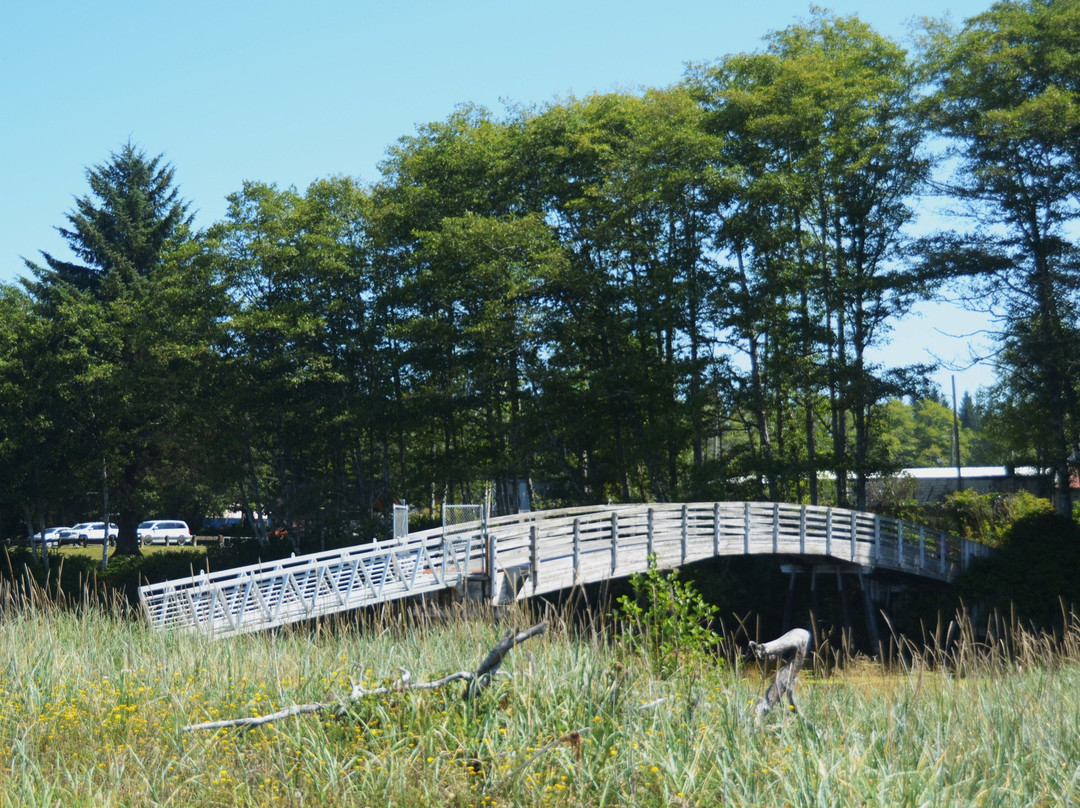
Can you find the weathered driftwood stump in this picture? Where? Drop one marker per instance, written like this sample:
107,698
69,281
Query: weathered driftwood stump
790,647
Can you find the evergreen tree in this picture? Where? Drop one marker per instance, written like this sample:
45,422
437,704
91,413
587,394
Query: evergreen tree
970,414
128,326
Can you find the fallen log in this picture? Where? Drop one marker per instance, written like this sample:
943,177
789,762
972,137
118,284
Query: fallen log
477,680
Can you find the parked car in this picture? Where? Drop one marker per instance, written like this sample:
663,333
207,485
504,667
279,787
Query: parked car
51,536
163,531
92,533
67,536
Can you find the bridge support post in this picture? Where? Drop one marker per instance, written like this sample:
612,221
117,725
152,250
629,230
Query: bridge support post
789,602
776,527
614,541
492,564
877,538
534,555
716,528
746,528
684,538
845,613
871,614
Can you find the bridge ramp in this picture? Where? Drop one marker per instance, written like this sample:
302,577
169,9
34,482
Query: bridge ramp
264,596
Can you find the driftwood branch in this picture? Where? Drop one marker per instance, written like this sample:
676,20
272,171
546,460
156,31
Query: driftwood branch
258,720
482,674
792,648
405,683
495,656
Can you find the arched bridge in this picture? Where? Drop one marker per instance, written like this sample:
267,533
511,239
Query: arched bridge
530,554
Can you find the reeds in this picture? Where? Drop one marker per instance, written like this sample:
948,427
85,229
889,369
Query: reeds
20,590
92,704
995,644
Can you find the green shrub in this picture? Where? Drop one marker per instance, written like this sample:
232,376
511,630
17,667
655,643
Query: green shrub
69,577
667,622
1034,570
898,493
988,518
973,515
1023,504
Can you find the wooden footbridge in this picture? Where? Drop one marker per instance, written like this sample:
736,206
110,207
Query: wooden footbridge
526,555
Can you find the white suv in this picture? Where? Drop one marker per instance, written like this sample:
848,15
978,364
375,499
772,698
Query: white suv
93,533
163,531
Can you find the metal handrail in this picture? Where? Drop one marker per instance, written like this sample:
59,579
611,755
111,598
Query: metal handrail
268,595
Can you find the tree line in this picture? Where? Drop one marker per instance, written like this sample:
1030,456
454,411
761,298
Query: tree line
659,295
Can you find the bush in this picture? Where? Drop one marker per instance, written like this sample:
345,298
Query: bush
985,518
897,493
72,575
1033,572
68,577
667,621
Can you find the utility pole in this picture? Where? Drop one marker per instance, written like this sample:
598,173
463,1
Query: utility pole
956,438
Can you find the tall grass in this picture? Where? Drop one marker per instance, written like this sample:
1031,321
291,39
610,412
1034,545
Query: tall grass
93,705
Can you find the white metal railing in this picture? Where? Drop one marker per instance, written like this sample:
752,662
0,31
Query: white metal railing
401,522
544,551
267,595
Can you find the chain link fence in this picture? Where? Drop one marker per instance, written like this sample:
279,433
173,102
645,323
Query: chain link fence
401,522
453,515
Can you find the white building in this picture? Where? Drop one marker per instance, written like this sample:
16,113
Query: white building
934,484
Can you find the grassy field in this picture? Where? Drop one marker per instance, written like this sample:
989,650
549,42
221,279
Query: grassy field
93,706
94,550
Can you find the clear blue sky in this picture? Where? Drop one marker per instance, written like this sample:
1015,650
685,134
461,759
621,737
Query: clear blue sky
287,93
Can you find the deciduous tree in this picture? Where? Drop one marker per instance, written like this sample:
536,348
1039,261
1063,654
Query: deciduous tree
1007,95
819,129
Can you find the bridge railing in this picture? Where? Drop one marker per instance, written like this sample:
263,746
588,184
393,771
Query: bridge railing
552,550
262,596
544,551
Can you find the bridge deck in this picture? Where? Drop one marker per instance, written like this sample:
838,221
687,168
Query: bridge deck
545,551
